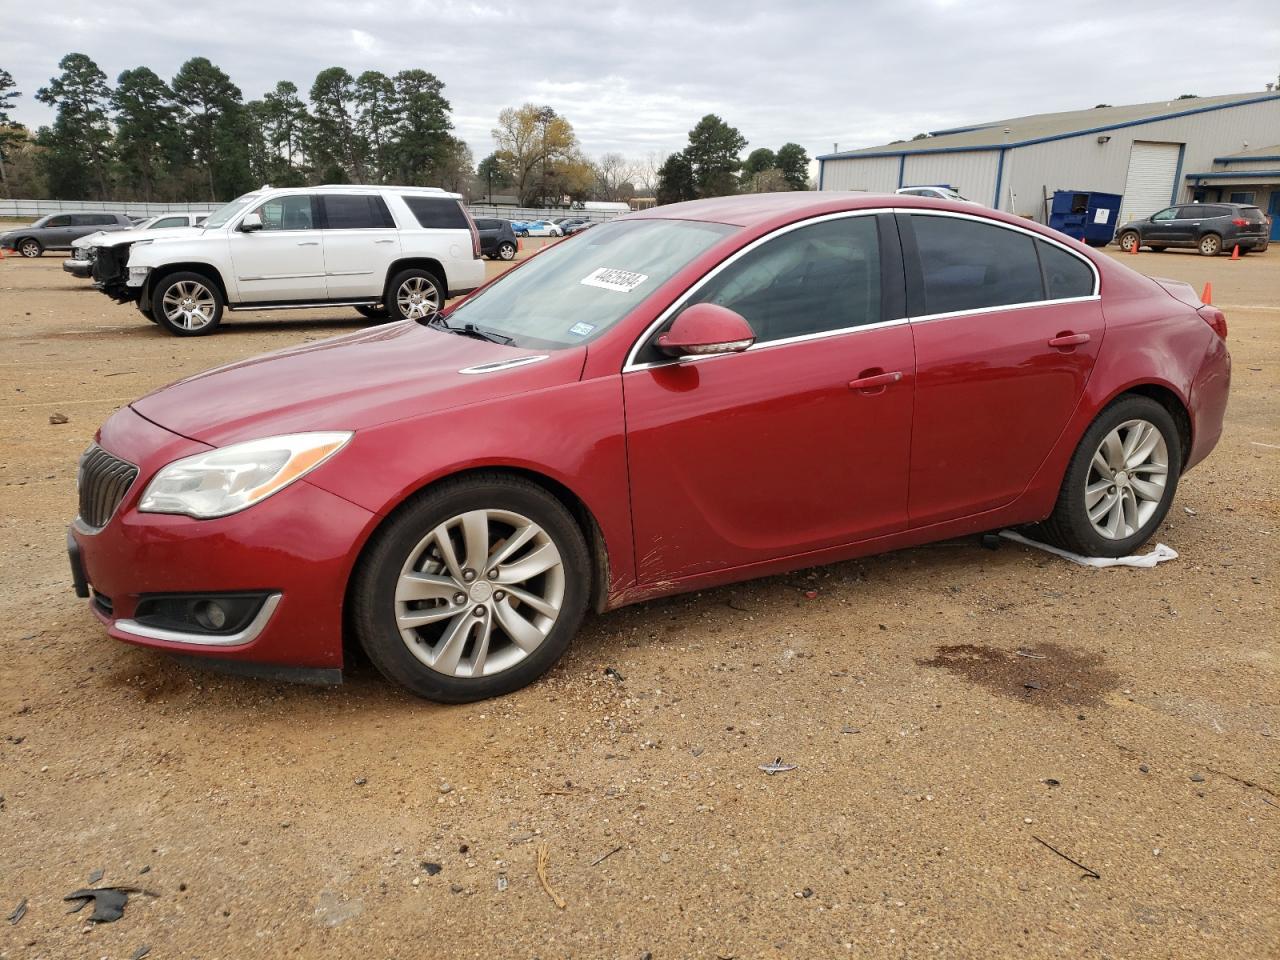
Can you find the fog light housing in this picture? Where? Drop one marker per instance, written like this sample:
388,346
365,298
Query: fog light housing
213,614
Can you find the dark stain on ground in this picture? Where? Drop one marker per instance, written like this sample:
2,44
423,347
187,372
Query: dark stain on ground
1054,676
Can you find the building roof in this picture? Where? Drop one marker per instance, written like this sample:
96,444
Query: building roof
1261,153
1053,126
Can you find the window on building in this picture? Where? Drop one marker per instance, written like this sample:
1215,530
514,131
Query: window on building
1242,197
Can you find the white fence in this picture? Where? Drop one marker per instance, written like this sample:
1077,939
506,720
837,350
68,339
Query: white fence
39,208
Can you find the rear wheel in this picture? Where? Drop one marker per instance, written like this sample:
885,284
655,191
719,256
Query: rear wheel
1210,245
1130,241
472,590
506,250
414,294
187,304
1120,482
30,247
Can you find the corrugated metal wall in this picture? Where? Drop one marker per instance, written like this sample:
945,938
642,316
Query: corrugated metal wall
876,174
973,174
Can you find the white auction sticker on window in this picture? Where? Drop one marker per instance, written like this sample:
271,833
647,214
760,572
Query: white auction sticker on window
623,281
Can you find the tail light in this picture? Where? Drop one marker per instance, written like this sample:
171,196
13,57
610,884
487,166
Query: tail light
475,233
1239,222
1214,318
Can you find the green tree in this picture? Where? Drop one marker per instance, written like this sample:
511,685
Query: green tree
11,132
77,148
420,141
676,180
758,161
793,161
334,143
147,138
375,101
492,174
284,121
713,151
213,112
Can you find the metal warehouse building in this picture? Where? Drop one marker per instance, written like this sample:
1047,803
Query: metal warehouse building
1155,154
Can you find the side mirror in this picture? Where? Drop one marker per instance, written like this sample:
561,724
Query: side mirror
705,329
250,223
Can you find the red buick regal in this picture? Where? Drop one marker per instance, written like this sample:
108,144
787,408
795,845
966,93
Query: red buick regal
698,394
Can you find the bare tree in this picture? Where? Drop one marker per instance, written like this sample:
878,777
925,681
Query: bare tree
614,175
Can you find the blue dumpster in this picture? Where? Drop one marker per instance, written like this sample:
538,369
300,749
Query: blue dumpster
1085,215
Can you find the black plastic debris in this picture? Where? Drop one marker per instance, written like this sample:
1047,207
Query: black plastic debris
431,868
141,952
108,902
19,911
97,875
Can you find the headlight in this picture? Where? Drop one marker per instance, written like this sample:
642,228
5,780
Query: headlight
231,479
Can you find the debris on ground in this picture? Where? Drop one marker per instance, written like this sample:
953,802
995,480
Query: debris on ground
1088,872
502,882
141,952
604,856
431,868
777,767
108,902
614,674
1197,778
333,911
543,856
19,912
1159,554
97,875
57,418
1032,656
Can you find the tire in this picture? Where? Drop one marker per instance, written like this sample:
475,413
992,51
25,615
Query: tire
1070,525
1159,249
30,247
506,250
376,314
1210,245
1130,240
436,651
187,304
400,299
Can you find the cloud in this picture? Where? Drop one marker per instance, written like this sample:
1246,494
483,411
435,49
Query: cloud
635,77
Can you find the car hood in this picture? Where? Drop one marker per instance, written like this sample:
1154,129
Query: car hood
359,380
118,238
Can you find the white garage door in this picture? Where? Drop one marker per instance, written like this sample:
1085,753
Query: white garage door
1149,186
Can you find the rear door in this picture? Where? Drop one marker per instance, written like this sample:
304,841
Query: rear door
1007,327
1194,220
360,244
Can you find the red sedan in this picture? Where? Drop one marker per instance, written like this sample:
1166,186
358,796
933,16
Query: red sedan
689,396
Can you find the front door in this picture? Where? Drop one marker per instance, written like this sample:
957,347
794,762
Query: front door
360,244
284,261
1007,328
785,448
1162,228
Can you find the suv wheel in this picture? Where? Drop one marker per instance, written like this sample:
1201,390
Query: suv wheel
187,304
30,247
1129,241
1210,245
414,294
506,250
473,589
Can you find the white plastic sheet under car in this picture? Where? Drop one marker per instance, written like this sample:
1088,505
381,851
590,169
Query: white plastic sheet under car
1160,554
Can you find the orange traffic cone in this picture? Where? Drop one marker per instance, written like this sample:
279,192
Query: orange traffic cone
519,244
1235,252
1134,249
1207,297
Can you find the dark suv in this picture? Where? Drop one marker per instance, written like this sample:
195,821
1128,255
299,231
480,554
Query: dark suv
58,230
1209,227
497,239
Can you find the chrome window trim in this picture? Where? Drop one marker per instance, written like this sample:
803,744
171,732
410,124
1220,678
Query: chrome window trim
632,364
493,366
239,639
929,317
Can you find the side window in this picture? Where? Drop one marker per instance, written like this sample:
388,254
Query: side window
61,221
1065,275
488,224
437,213
170,222
1167,214
355,212
200,220
974,266
1195,211
810,280
286,213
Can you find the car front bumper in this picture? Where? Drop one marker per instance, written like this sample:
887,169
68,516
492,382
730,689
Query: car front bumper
78,268
295,549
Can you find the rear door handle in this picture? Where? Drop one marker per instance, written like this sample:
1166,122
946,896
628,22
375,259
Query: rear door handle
1069,340
384,241
876,382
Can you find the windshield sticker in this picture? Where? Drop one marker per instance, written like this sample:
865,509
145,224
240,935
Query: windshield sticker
623,281
581,329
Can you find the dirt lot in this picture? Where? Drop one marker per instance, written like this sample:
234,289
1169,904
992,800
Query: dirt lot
1142,740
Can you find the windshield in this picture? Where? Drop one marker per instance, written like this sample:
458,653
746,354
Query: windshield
577,289
228,210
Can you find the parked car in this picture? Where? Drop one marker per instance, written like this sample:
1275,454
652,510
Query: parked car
940,192
578,227
1210,228
59,230
390,252
697,394
497,239
540,228
80,263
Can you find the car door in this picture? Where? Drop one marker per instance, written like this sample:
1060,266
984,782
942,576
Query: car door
802,441
1191,222
57,232
360,244
1007,327
1162,228
284,261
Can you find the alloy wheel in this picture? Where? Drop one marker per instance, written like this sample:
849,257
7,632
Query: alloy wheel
1129,241
1210,246
30,248
479,593
417,298
1126,479
189,304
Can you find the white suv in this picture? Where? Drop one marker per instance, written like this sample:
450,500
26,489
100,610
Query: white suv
390,252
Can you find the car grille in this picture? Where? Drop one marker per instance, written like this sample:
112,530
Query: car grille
103,481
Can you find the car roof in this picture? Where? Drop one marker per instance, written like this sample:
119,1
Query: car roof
756,209
377,188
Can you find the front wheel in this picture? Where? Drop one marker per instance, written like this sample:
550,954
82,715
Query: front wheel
1210,245
30,248
187,304
1130,241
1120,482
506,250
472,590
414,294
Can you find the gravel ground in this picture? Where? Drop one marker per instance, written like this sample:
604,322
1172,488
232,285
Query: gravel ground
935,766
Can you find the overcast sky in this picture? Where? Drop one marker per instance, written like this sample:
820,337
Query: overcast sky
634,77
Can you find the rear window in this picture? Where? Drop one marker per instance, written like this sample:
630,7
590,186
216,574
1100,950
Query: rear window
969,265
488,224
1065,275
355,212
1253,214
437,213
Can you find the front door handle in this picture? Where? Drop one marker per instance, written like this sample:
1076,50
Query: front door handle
308,243
384,241
872,383
1069,340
